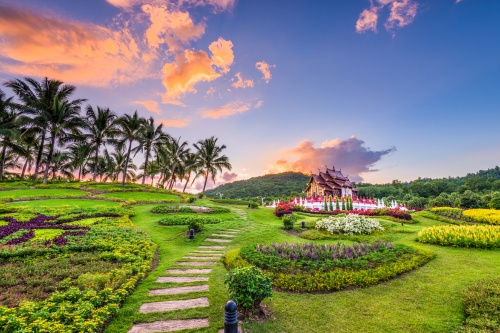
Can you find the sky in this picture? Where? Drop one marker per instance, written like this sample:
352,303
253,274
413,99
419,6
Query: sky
382,89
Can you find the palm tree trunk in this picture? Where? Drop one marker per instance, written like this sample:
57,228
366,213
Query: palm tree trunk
24,168
49,158
2,162
39,156
96,157
80,173
126,162
145,166
206,179
185,185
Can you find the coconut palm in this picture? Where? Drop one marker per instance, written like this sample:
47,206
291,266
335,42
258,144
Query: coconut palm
190,165
103,129
80,153
150,139
39,98
210,159
61,163
29,142
63,125
172,158
130,129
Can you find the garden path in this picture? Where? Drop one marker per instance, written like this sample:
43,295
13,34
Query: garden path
194,268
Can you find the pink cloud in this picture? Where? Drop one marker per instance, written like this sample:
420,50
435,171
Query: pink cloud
180,122
265,69
351,155
241,83
228,110
401,14
367,20
229,177
151,106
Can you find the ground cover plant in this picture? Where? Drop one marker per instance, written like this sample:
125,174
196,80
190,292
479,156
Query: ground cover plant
59,276
489,216
480,236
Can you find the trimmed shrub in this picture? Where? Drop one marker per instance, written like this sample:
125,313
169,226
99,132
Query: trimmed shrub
289,221
233,259
349,225
248,287
482,307
189,220
253,205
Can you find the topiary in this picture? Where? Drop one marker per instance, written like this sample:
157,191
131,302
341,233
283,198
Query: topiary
248,287
195,224
253,205
289,220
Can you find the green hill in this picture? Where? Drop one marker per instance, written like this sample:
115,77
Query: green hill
276,185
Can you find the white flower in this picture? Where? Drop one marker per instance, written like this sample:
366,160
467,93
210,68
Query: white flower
349,225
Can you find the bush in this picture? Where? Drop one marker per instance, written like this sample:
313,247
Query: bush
480,236
231,201
482,307
191,199
233,259
172,209
195,224
248,287
282,208
289,221
253,205
200,196
349,225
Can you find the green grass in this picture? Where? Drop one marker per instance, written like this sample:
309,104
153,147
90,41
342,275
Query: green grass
140,196
46,234
40,193
70,202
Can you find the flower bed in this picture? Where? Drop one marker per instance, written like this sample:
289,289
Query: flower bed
84,303
320,268
479,236
490,216
349,225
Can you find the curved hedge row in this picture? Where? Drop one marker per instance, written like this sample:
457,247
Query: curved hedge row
478,236
186,220
187,210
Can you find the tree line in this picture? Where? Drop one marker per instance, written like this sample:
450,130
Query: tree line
48,131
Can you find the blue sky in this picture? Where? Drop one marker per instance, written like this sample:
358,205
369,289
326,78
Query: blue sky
406,87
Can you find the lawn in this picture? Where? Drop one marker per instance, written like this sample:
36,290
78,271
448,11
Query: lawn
40,193
141,196
428,299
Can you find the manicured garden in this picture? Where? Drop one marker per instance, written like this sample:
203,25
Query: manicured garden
78,265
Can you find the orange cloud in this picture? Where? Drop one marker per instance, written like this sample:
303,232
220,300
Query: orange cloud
219,5
149,105
174,28
71,51
351,155
265,69
174,122
227,110
192,67
241,83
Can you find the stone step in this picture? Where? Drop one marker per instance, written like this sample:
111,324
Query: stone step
223,235
178,290
195,263
189,271
218,240
202,258
181,279
212,247
207,252
174,305
169,325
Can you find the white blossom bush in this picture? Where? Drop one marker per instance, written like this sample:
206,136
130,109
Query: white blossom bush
349,225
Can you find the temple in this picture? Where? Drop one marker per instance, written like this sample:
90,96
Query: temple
331,182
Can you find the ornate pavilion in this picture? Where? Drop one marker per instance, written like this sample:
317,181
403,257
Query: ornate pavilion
331,182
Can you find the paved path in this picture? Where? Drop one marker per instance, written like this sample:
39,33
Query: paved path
195,268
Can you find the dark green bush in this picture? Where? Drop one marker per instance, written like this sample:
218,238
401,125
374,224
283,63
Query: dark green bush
482,307
253,205
289,221
248,287
172,209
217,210
191,199
187,220
231,201
195,224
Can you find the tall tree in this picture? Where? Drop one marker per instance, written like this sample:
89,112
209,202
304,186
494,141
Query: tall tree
190,165
173,156
130,128
80,153
210,158
150,139
10,123
103,129
38,98
63,124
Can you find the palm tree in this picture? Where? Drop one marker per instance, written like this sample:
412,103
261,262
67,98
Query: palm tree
29,141
79,153
190,165
102,128
10,123
63,124
130,128
210,159
150,138
62,163
172,157
38,98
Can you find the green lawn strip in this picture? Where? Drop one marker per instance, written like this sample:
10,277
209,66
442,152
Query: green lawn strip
141,196
172,245
32,194
61,202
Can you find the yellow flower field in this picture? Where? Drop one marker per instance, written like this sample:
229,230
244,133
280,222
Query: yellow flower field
490,216
481,236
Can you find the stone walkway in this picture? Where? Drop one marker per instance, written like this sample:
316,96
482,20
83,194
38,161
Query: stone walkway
195,269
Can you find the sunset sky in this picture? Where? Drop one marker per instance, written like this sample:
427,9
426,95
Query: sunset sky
384,89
